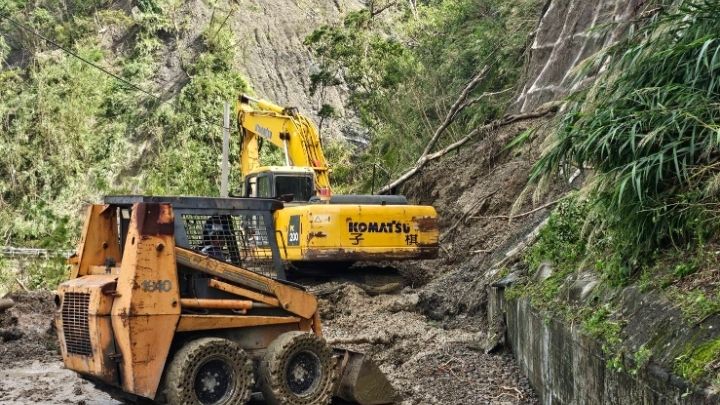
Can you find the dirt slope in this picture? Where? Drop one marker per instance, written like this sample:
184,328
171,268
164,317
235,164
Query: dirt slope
474,192
269,52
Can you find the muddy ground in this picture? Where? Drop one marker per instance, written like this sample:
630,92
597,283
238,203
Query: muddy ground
30,366
427,333
426,363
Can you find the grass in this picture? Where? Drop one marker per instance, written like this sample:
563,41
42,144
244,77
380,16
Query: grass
599,324
692,364
650,130
641,357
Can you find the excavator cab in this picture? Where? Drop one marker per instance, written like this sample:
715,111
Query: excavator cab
286,183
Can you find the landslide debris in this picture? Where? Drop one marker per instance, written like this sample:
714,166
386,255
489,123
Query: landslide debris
431,337
425,362
30,365
485,211
26,329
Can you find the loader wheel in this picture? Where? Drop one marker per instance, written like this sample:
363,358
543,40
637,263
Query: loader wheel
298,369
209,371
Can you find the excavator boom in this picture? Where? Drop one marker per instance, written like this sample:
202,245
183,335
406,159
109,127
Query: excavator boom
286,129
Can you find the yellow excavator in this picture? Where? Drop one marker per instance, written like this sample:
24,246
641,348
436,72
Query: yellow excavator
315,225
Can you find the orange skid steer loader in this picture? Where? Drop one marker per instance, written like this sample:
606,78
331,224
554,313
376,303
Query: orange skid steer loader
182,300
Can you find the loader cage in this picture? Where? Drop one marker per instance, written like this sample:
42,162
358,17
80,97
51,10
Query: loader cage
239,231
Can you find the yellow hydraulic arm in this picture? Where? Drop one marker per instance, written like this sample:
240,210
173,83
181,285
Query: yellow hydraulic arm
286,129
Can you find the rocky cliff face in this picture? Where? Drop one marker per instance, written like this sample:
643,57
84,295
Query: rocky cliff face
277,63
270,51
569,32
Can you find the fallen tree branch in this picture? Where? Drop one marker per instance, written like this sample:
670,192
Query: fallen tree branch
377,339
372,291
478,205
482,96
524,214
455,109
20,283
507,120
528,240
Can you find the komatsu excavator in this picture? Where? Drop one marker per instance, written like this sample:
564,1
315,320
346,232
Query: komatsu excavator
315,225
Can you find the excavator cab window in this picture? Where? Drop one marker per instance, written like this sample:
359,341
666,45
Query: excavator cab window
264,190
251,187
300,187
288,187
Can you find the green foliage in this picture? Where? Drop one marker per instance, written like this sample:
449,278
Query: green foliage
6,276
344,172
561,241
404,71
650,131
70,133
47,273
572,240
521,139
695,305
692,364
600,326
683,269
641,357
327,111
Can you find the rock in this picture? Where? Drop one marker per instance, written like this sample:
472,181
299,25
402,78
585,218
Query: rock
567,35
582,287
508,280
6,303
544,272
10,334
495,338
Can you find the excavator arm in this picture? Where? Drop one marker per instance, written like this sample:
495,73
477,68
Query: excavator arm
285,128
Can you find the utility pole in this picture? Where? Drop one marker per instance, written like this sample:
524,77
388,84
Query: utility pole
224,173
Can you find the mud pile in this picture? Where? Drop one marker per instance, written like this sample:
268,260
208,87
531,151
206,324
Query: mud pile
426,363
30,364
26,329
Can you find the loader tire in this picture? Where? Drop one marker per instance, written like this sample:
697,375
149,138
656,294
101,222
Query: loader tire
209,371
298,368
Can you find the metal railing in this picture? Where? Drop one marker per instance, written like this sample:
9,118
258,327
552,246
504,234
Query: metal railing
12,251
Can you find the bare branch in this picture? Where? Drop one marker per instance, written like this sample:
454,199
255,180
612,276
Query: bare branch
374,12
455,109
524,214
482,96
508,119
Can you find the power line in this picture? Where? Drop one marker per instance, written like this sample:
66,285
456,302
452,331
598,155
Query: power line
68,51
96,66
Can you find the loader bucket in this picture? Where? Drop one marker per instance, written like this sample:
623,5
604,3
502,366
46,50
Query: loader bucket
361,381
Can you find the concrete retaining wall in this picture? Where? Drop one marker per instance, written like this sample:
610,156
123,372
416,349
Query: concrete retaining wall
565,366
